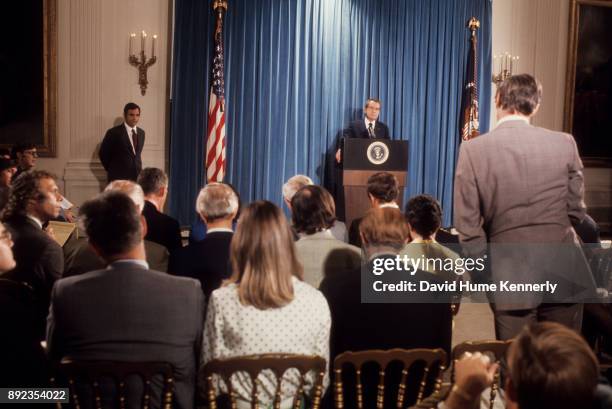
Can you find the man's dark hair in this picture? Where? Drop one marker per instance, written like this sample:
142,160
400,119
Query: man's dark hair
424,215
383,186
20,147
151,180
519,93
24,188
312,209
372,100
129,106
551,366
112,223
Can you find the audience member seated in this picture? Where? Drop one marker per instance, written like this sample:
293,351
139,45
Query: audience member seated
161,228
424,216
40,261
383,190
198,227
127,312
265,307
7,169
358,326
23,359
80,257
321,254
208,259
25,156
549,367
295,183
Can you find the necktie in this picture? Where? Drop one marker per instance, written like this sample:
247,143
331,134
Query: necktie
371,130
135,140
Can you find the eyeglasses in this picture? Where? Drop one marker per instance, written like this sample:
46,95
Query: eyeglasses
31,152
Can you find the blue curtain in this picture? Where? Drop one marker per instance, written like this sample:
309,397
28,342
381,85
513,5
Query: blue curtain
297,71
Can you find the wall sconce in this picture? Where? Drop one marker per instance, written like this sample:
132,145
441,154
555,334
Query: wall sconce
141,61
506,65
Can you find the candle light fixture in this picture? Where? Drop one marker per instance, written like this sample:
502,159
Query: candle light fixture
141,62
507,62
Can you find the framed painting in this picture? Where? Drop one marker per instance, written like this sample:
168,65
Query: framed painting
588,103
28,74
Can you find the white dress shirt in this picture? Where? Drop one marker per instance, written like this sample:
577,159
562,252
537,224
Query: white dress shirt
512,118
300,327
129,131
367,124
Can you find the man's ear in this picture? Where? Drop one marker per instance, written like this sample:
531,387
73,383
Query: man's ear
162,191
143,227
372,200
95,249
535,111
364,241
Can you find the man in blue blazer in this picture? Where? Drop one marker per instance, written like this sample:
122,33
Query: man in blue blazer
121,148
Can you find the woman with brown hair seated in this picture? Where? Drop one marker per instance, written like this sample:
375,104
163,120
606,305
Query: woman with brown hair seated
358,326
265,307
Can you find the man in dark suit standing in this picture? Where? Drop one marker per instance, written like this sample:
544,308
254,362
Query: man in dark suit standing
161,228
520,184
121,148
127,312
208,259
40,261
368,127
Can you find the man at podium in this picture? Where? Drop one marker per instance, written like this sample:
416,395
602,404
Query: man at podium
368,127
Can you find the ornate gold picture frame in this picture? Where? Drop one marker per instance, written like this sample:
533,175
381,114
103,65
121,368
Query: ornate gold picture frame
41,127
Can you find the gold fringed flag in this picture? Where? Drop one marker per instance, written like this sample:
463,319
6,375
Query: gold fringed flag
469,103
215,138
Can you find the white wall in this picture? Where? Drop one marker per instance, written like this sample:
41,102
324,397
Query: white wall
95,81
536,31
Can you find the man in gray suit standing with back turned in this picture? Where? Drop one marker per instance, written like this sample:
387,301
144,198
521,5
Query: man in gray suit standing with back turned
127,312
520,184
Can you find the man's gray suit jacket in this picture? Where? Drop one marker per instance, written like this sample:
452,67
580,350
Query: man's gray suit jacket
519,184
130,313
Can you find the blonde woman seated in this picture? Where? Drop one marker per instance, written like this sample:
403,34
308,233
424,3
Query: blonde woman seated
424,217
321,254
265,307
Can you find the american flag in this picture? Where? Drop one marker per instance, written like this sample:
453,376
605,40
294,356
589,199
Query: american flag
469,110
215,139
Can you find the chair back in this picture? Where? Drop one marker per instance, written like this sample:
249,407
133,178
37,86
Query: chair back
494,349
253,365
430,357
600,261
92,372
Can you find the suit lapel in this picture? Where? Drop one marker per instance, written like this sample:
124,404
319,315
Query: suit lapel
362,129
140,134
378,129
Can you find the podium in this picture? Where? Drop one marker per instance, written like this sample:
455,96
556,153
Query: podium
362,158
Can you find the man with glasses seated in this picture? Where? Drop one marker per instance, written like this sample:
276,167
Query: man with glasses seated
25,155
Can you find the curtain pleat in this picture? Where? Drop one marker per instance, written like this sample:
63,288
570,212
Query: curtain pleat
297,71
